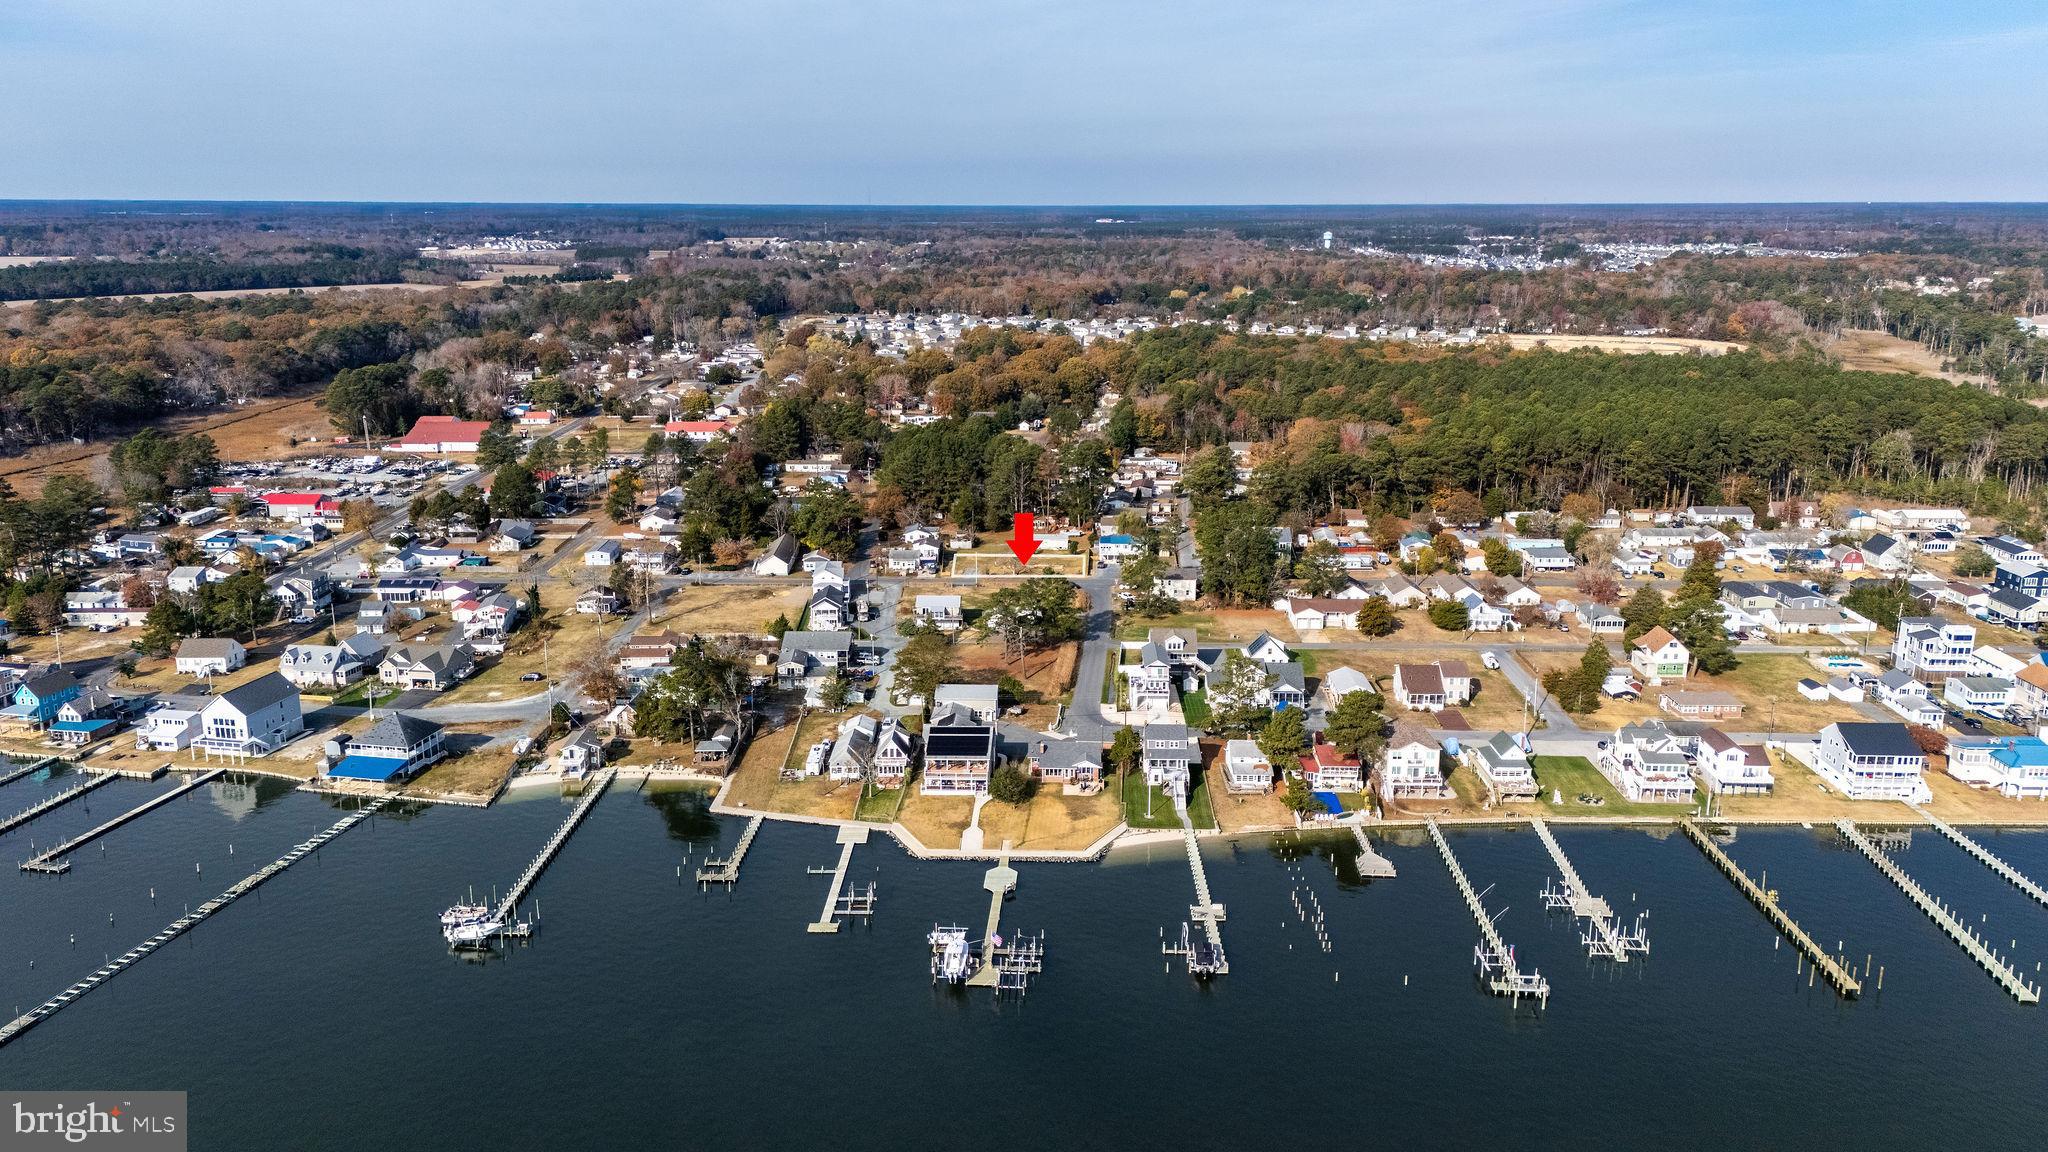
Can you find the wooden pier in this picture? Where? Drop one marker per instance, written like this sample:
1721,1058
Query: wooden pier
1495,960
1767,902
1370,863
727,871
52,803
187,922
2011,874
1939,913
1603,937
592,792
1206,911
52,862
31,770
852,904
999,882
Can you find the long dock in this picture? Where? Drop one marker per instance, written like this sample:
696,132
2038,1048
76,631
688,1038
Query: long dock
52,862
1767,903
592,791
1205,911
1370,862
853,905
1938,912
2011,874
1495,960
187,922
54,802
1604,937
999,882
727,871
18,773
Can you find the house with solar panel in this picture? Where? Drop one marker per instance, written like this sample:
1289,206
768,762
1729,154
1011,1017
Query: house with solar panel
395,748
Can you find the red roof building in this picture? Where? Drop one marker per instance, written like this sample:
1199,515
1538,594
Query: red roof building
442,434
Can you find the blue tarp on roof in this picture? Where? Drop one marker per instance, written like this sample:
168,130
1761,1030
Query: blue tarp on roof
1329,800
367,767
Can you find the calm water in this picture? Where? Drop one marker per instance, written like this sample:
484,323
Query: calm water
324,1012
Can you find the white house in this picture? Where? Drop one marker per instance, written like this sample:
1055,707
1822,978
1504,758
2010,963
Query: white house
253,719
1909,698
2016,767
1872,761
1412,766
1932,648
1649,763
1245,768
210,656
1730,768
1658,656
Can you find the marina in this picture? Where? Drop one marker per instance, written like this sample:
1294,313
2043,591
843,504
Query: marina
1944,917
52,862
187,922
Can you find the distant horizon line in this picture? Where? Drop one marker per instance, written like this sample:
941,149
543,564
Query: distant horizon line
892,205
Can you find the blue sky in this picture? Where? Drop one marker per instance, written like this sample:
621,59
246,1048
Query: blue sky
1009,101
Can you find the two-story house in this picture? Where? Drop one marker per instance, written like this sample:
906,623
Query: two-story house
252,719
1872,761
1411,767
1658,656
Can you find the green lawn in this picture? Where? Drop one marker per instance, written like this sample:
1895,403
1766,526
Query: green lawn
880,805
358,692
1163,814
1311,661
1195,707
1109,678
1572,776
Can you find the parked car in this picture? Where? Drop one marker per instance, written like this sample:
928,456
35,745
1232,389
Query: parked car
1490,660
530,677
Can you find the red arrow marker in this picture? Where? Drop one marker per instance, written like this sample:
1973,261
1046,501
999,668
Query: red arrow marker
1023,540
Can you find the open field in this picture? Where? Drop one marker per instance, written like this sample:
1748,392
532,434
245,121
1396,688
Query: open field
1220,626
1659,345
259,430
1238,811
1864,350
746,609
480,770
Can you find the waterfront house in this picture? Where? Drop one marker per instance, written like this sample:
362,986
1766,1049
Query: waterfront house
37,699
1658,656
959,752
396,747
252,719
86,717
1872,761
1075,764
1503,766
1411,767
1169,756
1729,768
580,754
1650,763
1326,769
170,725
1245,768
2012,766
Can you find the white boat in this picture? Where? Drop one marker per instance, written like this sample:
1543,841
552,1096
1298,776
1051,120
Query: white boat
953,959
463,914
477,933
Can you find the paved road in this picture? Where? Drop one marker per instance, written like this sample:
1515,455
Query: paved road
1085,719
1556,718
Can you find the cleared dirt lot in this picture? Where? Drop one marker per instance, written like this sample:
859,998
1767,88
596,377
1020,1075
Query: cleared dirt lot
1863,350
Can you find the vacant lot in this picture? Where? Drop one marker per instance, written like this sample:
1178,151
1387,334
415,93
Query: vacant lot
1495,703
562,638
1048,822
1658,345
721,609
1581,790
1046,675
1767,685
